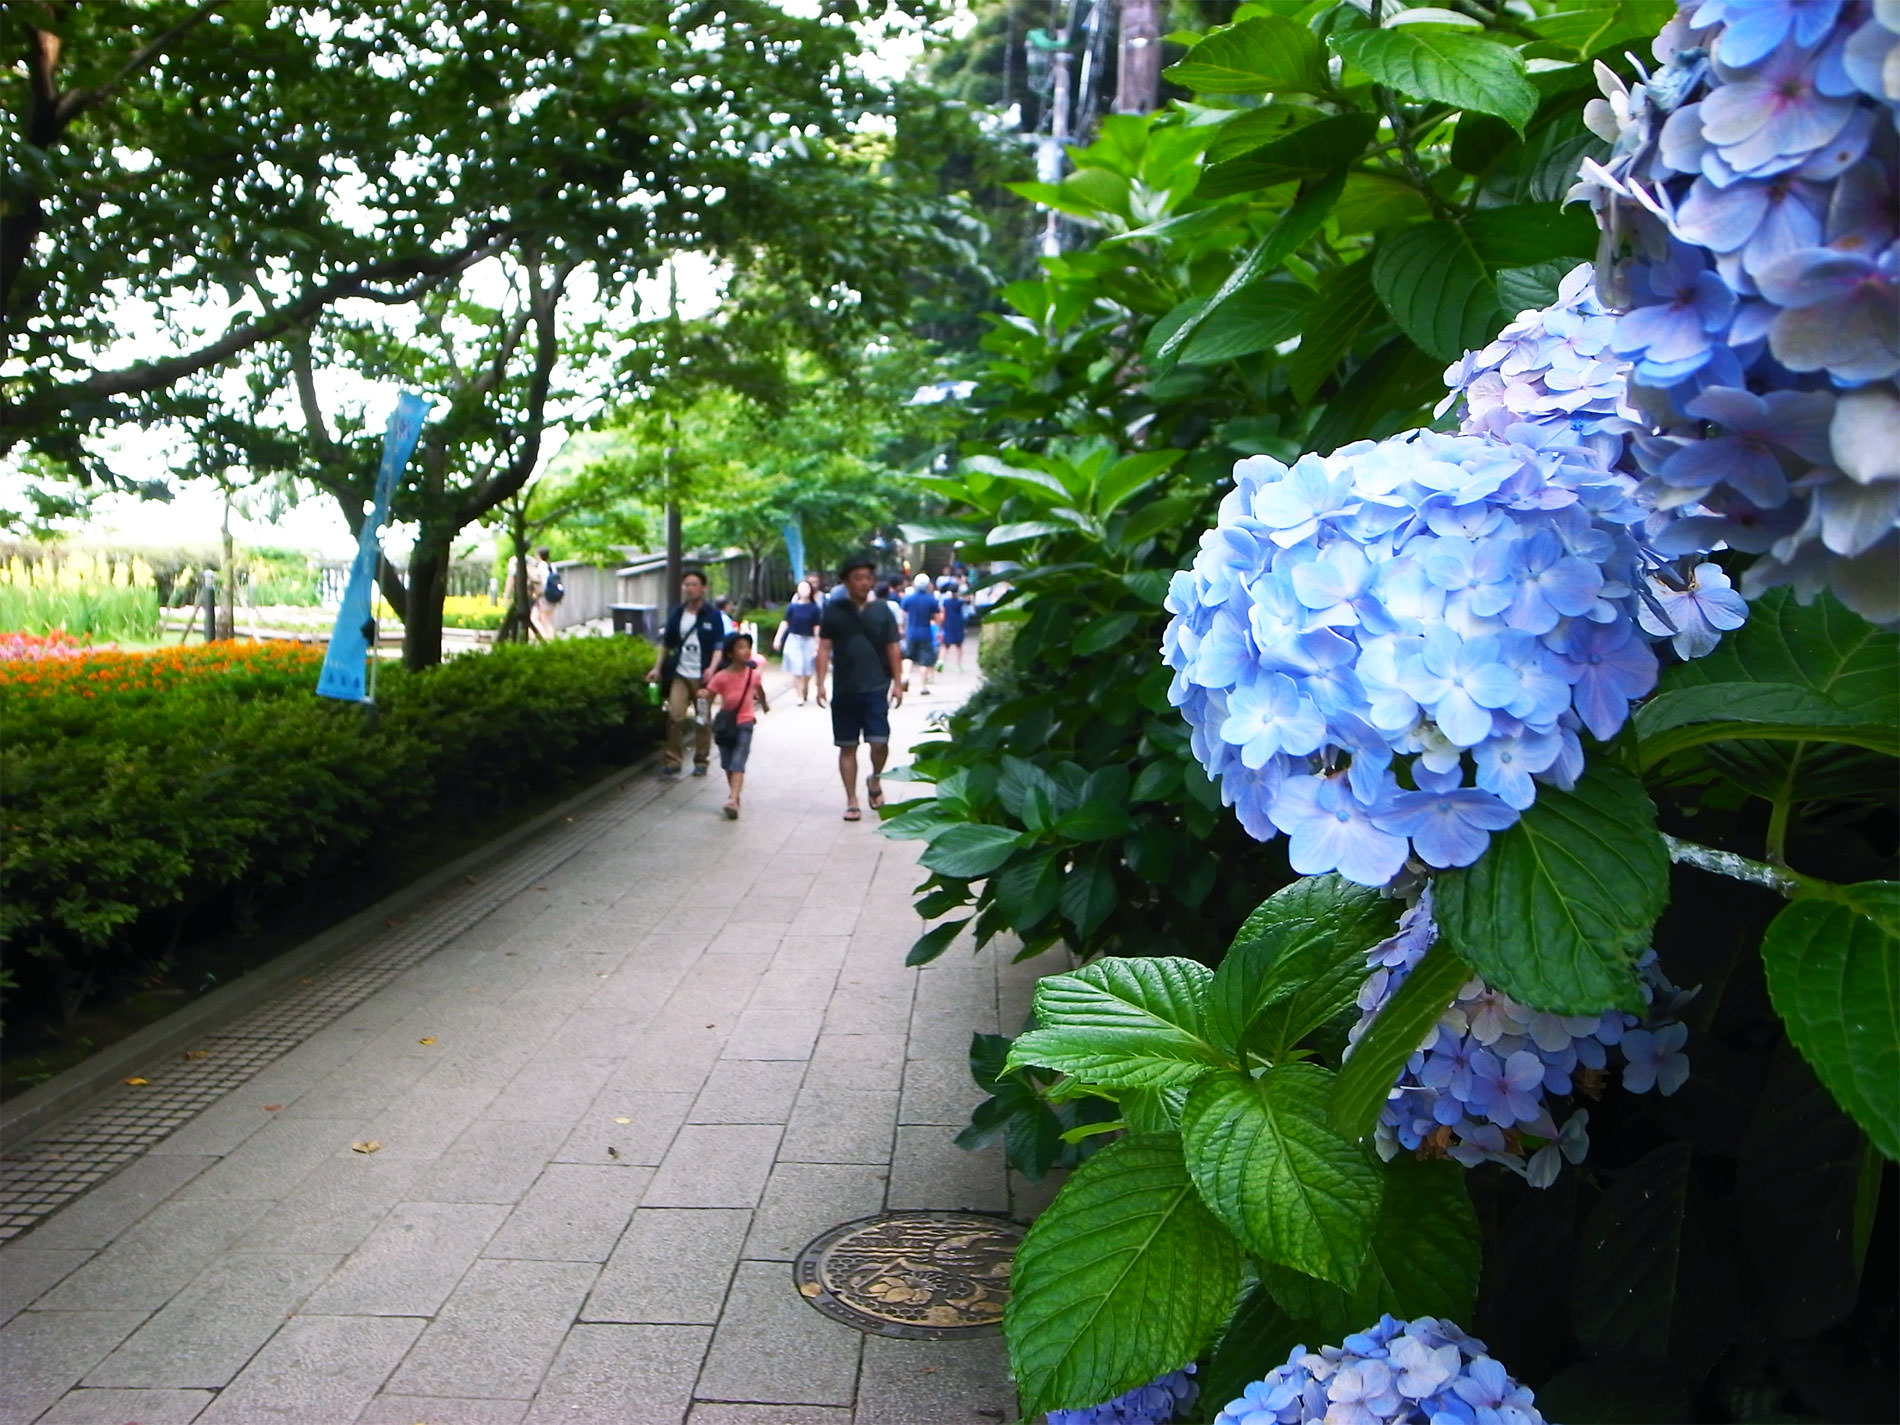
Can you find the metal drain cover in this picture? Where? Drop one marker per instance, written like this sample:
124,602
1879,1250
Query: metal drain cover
922,1276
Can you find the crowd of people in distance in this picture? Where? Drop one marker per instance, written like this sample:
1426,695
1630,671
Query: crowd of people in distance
856,649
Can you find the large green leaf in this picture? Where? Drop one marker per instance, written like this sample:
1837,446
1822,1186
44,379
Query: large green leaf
1685,717
933,943
1124,1277
1556,912
1252,320
1123,1023
1437,288
1027,888
1328,146
1465,71
1257,56
1425,1258
1834,975
1301,953
1589,29
1345,301
1089,896
970,850
1266,1160
1524,233
1401,1025
1300,222
1629,1263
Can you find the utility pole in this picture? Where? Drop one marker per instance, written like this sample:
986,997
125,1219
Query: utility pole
1138,78
675,554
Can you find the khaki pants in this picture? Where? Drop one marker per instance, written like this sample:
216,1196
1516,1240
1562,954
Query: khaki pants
679,702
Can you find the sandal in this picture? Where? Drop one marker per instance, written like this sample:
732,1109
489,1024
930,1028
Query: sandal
732,811
853,814
874,791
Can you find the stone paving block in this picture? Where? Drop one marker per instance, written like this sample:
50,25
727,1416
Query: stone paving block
707,1413
116,1407
790,987
804,1199
936,1035
604,1032
860,1008
715,1165
437,1410
210,1329
317,1370
573,1213
221,1127
409,1264
117,1203
653,1119
333,1207
744,940
551,1090
278,1153
420,1126
371,1077
496,1334
770,1347
669,1061
638,985
811,952
44,1353
930,1171
834,1125
672,1266
773,1034
829,910
154,1261
858,1061
765,912
680,938
749,1091
630,1375
491,1162
938,1091
27,1272
959,1382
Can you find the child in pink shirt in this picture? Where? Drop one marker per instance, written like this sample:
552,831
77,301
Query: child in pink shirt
738,687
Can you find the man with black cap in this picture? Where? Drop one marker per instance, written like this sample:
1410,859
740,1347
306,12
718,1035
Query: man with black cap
859,637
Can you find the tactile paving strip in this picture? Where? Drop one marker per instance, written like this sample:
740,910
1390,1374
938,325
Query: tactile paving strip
50,1170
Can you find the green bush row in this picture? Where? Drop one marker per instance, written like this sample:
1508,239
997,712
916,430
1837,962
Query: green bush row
127,814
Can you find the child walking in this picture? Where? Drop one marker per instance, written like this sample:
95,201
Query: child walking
738,687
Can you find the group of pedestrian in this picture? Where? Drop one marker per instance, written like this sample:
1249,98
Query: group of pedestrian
715,685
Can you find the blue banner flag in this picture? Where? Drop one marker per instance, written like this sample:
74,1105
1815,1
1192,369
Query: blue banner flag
794,549
346,663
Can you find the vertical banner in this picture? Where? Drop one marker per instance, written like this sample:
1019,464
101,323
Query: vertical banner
794,549
345,663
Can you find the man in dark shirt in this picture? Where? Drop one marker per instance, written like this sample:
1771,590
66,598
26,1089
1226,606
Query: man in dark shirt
858,636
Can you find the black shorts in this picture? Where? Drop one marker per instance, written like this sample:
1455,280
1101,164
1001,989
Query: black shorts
921,649
861,715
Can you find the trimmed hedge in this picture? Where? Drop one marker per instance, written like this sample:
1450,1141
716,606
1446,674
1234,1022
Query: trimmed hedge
139,789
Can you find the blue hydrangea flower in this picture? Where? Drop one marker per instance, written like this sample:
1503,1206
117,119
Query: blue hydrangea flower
1156,1403
1379,652
1397,1371
1761,159
1492,1079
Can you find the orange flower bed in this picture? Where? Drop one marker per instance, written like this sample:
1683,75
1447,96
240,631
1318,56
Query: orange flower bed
71,669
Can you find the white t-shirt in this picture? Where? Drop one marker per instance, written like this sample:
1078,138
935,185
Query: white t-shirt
688,668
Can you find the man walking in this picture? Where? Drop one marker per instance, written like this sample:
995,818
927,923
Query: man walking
689,644
859,635
922,613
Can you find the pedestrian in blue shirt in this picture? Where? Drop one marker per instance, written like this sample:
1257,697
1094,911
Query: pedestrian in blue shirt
954,605
922,612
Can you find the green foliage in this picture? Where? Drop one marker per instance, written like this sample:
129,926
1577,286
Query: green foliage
132,803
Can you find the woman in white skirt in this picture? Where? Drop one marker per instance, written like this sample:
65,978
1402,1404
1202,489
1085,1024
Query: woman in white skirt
797,639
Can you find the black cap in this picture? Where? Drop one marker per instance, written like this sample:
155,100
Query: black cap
856,561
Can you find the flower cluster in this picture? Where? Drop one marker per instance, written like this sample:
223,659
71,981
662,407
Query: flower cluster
1479,1089
33,647
1418,1370
1465,603
1156,1403
1750,220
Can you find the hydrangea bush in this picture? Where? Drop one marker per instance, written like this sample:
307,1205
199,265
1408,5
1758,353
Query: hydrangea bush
1155,1403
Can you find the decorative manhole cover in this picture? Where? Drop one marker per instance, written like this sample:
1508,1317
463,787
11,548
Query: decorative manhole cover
918,1275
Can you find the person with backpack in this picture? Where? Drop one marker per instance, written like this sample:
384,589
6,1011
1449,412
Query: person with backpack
738,687
690,643
858,637
545,589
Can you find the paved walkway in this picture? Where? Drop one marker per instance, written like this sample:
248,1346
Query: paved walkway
610,1114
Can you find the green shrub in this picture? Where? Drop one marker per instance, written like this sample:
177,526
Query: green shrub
139,790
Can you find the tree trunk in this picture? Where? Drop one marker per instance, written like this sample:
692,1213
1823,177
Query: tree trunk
428,586
1139,81
227,596
675,556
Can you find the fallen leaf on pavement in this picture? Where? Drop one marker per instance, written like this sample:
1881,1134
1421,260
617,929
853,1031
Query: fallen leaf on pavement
429,1040
367,1146
138,1083
613,1152
809,1289
272,1107
623,1120
197,1054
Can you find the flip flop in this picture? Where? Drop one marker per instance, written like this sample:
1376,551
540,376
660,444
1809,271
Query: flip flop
853,814
732,811
874,791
